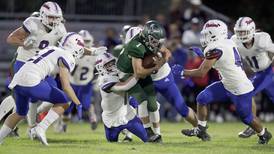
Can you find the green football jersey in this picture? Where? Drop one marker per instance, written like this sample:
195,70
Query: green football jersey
117,50
134,48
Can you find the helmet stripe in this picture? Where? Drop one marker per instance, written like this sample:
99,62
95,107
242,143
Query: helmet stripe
56,7
241,20
67,38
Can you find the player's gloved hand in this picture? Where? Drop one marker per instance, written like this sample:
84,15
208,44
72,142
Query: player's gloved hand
198,51
29,42
178,71
99,50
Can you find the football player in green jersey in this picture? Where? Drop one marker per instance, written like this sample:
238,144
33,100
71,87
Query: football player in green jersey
150,40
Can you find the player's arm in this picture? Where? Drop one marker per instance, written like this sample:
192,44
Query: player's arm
64,77
166,53
202,70
18,36
140,71
95,51
126,85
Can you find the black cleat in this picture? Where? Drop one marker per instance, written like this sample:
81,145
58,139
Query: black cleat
93,125
202,134
156,138
14,133
264,139
150,132
247,133
127,139
190,132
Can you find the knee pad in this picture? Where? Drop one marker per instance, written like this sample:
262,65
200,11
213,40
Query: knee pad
142,109
202,98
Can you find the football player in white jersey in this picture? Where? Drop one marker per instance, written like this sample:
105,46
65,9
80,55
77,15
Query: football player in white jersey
35,34
29,82
164,84
255,48
117,114
81,80
221,53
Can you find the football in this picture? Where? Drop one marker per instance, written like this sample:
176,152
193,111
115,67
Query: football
148,61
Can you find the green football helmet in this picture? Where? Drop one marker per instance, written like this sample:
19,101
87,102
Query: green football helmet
153,35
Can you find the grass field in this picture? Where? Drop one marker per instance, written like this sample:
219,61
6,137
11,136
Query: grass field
81,140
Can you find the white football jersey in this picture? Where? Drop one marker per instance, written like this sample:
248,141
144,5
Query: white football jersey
116,108
164,70
229,66
257,56
42,65
43,38
83,72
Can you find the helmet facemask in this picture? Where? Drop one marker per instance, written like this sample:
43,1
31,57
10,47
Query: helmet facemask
110,67
244,35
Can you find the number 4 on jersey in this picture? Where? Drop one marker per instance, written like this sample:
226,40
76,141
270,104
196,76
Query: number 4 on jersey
238,61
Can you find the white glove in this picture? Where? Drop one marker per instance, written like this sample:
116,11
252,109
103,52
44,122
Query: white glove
99,50
29,41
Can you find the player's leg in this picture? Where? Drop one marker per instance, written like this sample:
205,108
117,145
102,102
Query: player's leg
248,132
170,91
152,106
6,105
138,93
214,92
135,126
243,105
13,119
46,92
112,133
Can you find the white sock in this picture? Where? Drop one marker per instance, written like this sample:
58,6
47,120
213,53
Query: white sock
147,125
4,131
32,114
157,130
45,106
262,132
6,105
202,123
48,120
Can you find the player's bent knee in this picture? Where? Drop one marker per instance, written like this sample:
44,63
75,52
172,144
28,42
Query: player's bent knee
202,98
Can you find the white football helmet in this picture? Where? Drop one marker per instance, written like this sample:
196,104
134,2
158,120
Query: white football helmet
245,29
87,37
212,31
123,32
106,64
51,14
73,43
133,31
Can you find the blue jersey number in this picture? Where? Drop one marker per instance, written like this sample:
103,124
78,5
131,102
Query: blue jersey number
238,61
43,44
253,62
35,61
84,72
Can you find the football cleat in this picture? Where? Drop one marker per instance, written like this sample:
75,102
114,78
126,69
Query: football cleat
264,139
150,132
199,131
40,134
127,139
14,133
156,138
247,133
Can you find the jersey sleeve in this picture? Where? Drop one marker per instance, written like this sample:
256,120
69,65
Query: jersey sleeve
30,25
266,43
68,61
213,54
107,82
136,49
